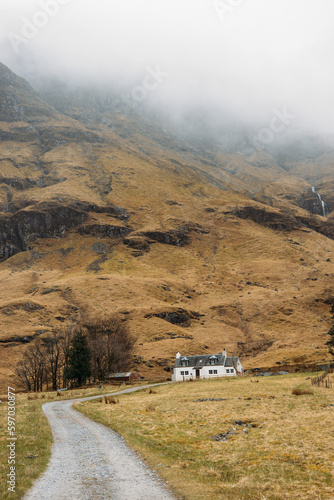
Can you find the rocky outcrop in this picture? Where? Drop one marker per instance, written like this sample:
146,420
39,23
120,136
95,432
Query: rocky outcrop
310,201
18,132
11,309
54,136
180,317
110,210
18,101
25,226
52,220
17,183
29,118
280,221
176,237
320,225
104,230
172,237
139,244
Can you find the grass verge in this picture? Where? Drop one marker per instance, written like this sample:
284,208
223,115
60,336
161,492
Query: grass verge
33,445
281,450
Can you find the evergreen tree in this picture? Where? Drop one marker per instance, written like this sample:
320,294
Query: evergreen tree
78,359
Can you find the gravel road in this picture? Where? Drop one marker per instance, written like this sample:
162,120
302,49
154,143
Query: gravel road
91,462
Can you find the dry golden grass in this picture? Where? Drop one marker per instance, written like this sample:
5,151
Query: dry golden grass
33,445
288,454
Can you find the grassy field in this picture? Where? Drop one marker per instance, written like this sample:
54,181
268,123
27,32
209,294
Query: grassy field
34,437
33,445
284,450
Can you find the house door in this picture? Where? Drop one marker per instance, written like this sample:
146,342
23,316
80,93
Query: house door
197,373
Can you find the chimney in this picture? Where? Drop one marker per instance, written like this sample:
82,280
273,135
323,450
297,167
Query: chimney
224,353
178,355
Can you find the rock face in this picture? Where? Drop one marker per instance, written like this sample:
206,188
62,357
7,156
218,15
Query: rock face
18,101
320,225
104,230
139,244
52,220
30,118
25,226
179,316
176,237
280,221
311,202
274,220
173,237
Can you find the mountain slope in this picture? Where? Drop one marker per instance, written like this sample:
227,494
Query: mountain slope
196,249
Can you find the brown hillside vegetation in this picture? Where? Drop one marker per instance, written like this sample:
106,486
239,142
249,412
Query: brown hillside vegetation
132,220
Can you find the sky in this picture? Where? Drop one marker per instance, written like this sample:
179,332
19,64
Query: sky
249,58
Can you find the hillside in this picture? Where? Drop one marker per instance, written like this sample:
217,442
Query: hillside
198,248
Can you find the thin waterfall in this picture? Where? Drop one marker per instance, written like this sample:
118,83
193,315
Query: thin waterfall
323,204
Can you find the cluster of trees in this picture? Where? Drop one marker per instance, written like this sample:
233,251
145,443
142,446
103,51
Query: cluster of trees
91,351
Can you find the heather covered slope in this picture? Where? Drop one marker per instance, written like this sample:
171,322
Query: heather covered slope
196,249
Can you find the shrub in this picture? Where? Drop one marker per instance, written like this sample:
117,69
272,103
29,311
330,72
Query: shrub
110,400
150,407
301,392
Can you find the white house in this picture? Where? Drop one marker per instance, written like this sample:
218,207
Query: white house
206,366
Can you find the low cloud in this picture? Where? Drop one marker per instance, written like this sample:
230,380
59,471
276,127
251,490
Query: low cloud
244,58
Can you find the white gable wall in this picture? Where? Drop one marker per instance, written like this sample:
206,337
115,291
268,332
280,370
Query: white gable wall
182,373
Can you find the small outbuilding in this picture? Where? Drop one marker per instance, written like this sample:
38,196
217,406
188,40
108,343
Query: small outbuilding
206,366
123,377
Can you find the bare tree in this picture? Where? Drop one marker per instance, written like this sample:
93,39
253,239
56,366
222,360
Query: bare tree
31,371
55,357
65,346
111,345
43,362
23,374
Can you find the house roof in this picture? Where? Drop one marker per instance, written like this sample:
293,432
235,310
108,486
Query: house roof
231,361
199,361
119,375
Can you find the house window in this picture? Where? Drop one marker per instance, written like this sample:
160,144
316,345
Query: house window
215,372
186,373
210,372
182,373
227,370
213,360
184,362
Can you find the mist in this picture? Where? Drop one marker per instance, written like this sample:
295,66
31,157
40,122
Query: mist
247,59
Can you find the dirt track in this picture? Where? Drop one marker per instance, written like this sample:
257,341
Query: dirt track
90,462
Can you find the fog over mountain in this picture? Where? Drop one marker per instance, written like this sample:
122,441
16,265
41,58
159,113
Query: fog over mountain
245,59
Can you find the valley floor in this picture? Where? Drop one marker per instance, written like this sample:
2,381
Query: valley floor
246,438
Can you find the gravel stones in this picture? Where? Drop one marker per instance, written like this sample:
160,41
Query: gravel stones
233,431
91,462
